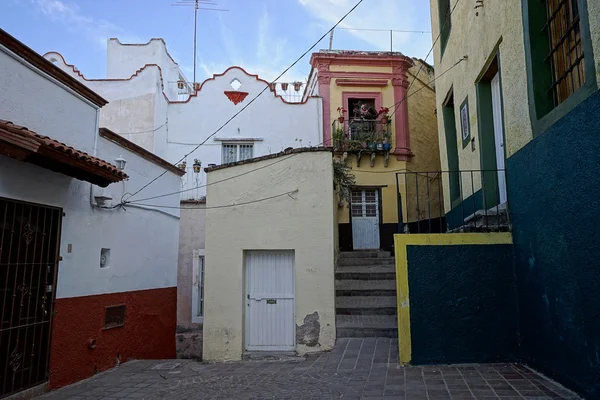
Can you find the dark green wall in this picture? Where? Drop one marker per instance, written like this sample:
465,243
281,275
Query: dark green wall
462,303
455,218
554,199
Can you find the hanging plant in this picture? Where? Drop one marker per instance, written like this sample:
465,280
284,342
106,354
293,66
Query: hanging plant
284,86
181,166
343,179
274,86
297,86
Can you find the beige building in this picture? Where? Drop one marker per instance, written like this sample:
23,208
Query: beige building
270,248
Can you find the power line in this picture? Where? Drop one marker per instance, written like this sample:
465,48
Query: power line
382,30
253,99
215,182
135,133
223,206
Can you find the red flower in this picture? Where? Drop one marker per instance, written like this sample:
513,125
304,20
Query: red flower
383,110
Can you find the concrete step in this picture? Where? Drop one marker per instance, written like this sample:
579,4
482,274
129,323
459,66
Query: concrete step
366,326
359,287
365,254
365,305
365,262
366,269
362,273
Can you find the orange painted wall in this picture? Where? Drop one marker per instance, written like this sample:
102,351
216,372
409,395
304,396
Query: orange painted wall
148,333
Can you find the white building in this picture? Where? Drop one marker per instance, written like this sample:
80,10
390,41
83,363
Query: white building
88,283
152,104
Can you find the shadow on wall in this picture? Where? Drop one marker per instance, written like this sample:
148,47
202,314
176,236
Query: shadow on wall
554,192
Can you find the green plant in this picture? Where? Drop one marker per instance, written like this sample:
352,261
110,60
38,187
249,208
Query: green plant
343,179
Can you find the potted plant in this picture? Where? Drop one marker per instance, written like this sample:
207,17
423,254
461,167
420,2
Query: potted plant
338,138
181,166
297,86
341,112
197,165
387,145
284,86
180,84
384,114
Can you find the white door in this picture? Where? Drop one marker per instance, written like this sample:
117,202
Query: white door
270,307
498,136
364,209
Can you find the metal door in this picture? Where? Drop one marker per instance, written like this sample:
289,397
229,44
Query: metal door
364,209
270,307
499,136
29,246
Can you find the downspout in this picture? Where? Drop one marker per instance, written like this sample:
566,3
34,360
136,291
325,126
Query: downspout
96,135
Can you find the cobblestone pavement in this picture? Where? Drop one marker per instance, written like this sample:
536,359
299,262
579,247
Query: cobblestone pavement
354,369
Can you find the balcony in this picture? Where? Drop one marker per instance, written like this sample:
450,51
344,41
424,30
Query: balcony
363,137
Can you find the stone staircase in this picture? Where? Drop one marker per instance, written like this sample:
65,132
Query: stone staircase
365,289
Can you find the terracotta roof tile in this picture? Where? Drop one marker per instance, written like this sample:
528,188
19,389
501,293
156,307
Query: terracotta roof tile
32,137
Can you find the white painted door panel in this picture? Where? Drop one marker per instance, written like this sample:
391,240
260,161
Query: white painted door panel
270,305
365,219
498,136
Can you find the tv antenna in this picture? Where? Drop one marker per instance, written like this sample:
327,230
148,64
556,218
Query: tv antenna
196,4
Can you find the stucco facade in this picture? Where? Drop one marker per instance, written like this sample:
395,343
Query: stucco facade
141,271
403,85
301,222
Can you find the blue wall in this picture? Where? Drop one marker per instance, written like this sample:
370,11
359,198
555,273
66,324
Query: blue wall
554,203
463,305
455,218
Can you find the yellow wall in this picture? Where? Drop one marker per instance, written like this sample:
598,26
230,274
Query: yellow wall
476,33
423,143
402,288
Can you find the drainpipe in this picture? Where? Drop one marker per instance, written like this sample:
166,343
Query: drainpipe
95,154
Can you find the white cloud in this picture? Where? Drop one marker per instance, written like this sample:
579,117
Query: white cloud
378,14
70,16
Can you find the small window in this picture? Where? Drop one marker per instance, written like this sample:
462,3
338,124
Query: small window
236,152
445,18
114,316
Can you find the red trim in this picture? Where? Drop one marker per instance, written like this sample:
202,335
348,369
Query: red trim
361,95
148,333
195,94
361,82
235,97
402,149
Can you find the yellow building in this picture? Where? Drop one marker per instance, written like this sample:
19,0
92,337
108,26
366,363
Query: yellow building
359,86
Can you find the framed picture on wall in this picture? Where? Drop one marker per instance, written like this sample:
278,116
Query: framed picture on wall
464,122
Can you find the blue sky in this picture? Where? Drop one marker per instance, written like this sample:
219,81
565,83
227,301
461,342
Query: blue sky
263,36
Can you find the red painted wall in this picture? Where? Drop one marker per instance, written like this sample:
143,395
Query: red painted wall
148,333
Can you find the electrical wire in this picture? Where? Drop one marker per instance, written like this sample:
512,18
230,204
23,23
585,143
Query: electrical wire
212,183
135,133
223,206
253,99
382,30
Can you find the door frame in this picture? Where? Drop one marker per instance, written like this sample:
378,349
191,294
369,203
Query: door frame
379,205
245,316
52,301
485,127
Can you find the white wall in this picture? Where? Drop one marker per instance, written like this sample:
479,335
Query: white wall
304,224
32,100
278,124
143,243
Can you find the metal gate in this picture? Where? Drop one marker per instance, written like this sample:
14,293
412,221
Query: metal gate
29,247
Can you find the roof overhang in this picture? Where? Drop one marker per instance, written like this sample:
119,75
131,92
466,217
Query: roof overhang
24,145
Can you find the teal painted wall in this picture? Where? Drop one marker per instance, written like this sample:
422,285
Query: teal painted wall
554,203
463,305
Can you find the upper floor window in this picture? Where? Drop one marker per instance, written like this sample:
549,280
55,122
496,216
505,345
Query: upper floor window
560,65
566,54
232,152
445,19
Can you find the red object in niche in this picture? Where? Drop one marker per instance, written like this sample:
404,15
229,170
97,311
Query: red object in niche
236,97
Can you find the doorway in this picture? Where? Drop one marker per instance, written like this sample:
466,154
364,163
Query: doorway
270,301
364,212
29,254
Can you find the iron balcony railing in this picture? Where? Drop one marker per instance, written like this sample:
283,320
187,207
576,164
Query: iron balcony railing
452,201
357,134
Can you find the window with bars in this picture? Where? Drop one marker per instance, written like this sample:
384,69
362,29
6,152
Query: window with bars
232,152
566,54
558,48
364,203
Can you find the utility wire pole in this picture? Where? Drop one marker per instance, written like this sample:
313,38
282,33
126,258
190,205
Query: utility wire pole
196,4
